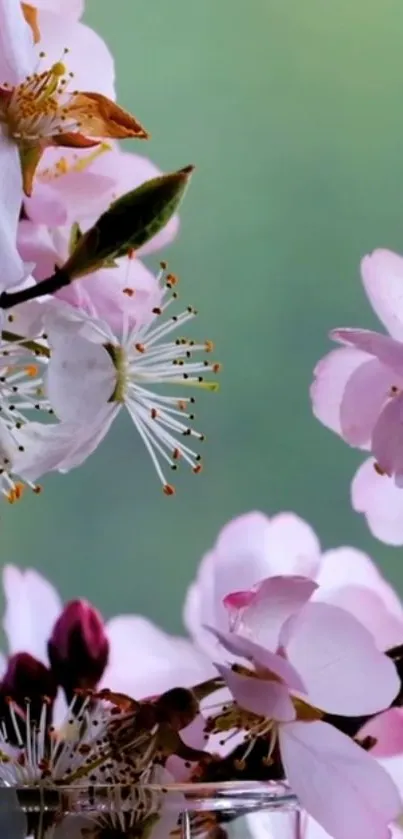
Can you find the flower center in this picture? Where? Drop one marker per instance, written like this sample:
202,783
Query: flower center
120,362
34,109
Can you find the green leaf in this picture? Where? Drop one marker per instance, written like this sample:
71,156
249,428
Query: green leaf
130,222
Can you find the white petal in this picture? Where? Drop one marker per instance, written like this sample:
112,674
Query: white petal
81,377
97,74
68,8
32,607
17,56
60,447
12,267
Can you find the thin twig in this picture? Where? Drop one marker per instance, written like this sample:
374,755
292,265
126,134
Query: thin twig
51,285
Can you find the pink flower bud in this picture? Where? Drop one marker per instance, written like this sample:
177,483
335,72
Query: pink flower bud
78,648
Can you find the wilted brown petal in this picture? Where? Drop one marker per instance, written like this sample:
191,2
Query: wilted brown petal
100,117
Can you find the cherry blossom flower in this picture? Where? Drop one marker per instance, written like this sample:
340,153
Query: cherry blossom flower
253,546
18,59
316,657
75,185
357,393
125,366
37,108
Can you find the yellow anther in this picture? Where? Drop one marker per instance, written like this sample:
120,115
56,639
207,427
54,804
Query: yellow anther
59,69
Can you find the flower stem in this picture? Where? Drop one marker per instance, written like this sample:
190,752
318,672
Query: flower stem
51,285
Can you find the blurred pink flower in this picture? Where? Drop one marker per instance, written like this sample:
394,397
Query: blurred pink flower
128,288
358,393
316,657
77,185
254,546
143,659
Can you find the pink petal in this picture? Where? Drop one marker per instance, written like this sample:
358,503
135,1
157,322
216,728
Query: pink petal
337,782
332,374
162,662
382,276
104,293
261,658
57,33
387,350
338,661
36,245
238,600
387,438
350,579
276,599
268,699
387,728
32,607
248,549
292,546
364,396
369,609
347,566
64,199
381,501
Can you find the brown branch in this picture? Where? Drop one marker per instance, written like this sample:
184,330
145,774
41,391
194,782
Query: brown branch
51,285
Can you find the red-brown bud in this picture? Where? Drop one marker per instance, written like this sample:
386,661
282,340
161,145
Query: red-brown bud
78,648
27,679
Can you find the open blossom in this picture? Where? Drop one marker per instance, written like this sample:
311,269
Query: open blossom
38,108
76,185
94,371
357,393
253,546
314,658
230,588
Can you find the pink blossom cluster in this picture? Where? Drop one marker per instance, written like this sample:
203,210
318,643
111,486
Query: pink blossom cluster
291,667
357,392
106,341
294,665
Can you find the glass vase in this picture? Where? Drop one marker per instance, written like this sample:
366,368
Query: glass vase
149,811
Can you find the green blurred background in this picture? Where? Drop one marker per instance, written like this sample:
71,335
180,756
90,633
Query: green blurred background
293,113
